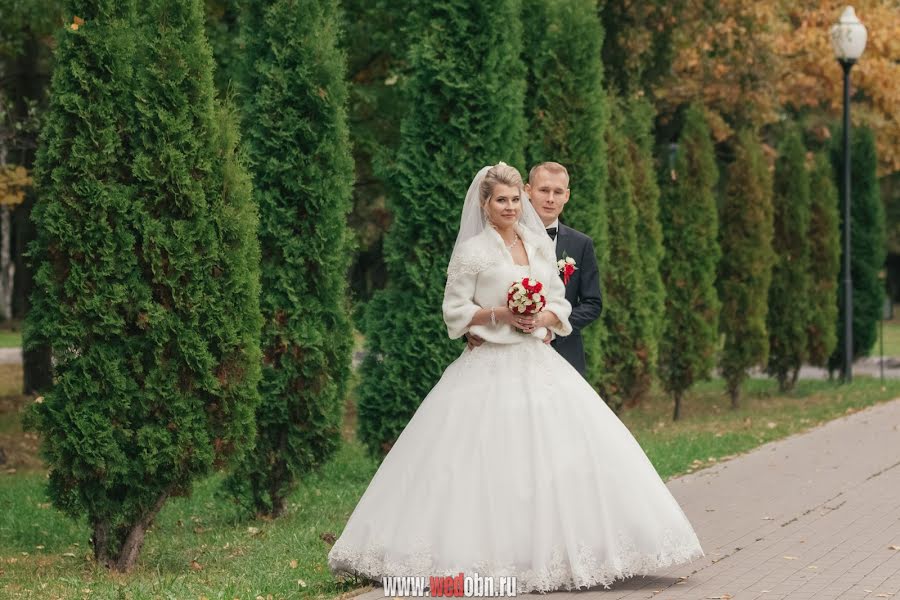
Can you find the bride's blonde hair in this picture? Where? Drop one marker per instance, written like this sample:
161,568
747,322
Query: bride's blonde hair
501,173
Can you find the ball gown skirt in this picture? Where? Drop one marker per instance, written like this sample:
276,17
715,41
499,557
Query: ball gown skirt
513,465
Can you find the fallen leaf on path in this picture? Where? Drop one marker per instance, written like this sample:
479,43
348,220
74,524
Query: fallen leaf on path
789,557
196,566
768,518
893,547
812,567
722,597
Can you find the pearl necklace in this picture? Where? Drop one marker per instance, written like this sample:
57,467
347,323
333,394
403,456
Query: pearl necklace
514,242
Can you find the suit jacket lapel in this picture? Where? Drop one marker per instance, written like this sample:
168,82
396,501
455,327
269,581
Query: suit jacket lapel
562,238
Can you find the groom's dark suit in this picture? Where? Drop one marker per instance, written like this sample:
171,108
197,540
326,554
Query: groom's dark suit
582,292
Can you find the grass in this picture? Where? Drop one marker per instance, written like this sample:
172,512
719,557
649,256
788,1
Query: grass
199,549
891,338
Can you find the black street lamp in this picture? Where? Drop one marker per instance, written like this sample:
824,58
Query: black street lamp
848,37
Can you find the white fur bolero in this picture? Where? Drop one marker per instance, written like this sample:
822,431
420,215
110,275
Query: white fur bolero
480,273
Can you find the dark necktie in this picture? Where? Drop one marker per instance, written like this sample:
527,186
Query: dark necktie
551,231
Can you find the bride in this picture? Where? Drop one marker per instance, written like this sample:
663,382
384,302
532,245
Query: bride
512,465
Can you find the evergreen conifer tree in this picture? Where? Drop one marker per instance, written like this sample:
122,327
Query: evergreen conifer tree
745,271
147,277
296,123
825,263
566,112
650,303
867,244
465,94
690,236
788,314
622,315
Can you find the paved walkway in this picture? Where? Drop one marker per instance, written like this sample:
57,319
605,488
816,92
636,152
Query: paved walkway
813,516
10,356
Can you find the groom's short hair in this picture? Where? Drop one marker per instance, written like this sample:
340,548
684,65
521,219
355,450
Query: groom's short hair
550,167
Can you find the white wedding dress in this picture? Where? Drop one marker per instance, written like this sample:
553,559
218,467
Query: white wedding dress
512,464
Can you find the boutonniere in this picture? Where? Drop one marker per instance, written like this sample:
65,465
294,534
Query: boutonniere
566,266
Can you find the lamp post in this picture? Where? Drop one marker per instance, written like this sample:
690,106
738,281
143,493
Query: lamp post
848,38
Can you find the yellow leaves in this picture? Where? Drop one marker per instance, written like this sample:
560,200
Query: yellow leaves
14,180
748,61
76,23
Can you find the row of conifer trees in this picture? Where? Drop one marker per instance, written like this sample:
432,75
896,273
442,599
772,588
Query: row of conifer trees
191,281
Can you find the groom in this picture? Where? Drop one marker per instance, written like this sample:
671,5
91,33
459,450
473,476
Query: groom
548,188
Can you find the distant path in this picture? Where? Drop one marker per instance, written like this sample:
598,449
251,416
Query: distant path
10,356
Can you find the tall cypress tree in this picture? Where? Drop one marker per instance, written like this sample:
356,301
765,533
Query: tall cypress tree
565,106
745,272
650,303
295,116
465,92
824,264
867,244
147,271
690,235
789,293
622,315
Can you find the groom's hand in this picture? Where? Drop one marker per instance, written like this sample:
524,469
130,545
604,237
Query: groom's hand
473,341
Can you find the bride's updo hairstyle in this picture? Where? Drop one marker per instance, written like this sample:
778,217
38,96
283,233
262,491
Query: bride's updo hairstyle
501,173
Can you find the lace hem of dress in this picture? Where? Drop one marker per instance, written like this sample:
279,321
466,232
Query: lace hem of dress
562,572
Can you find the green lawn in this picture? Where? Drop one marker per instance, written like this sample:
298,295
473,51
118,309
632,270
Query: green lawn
891,338
198,549
10,339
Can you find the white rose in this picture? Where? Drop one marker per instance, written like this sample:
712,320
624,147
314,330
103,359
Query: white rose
535,297
570,260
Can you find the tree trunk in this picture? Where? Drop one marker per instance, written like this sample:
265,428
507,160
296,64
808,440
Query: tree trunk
677,414
734,390
37,368
135,539
7,267
100,542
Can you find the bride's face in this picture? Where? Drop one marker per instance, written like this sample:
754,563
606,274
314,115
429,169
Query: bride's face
504,206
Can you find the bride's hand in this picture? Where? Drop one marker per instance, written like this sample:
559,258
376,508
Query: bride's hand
546,318
523,322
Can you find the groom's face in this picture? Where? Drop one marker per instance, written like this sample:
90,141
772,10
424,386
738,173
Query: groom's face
549,193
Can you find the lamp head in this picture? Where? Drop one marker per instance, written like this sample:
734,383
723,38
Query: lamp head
848,37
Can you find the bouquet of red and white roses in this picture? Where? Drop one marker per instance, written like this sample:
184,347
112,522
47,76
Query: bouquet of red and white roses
525,297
